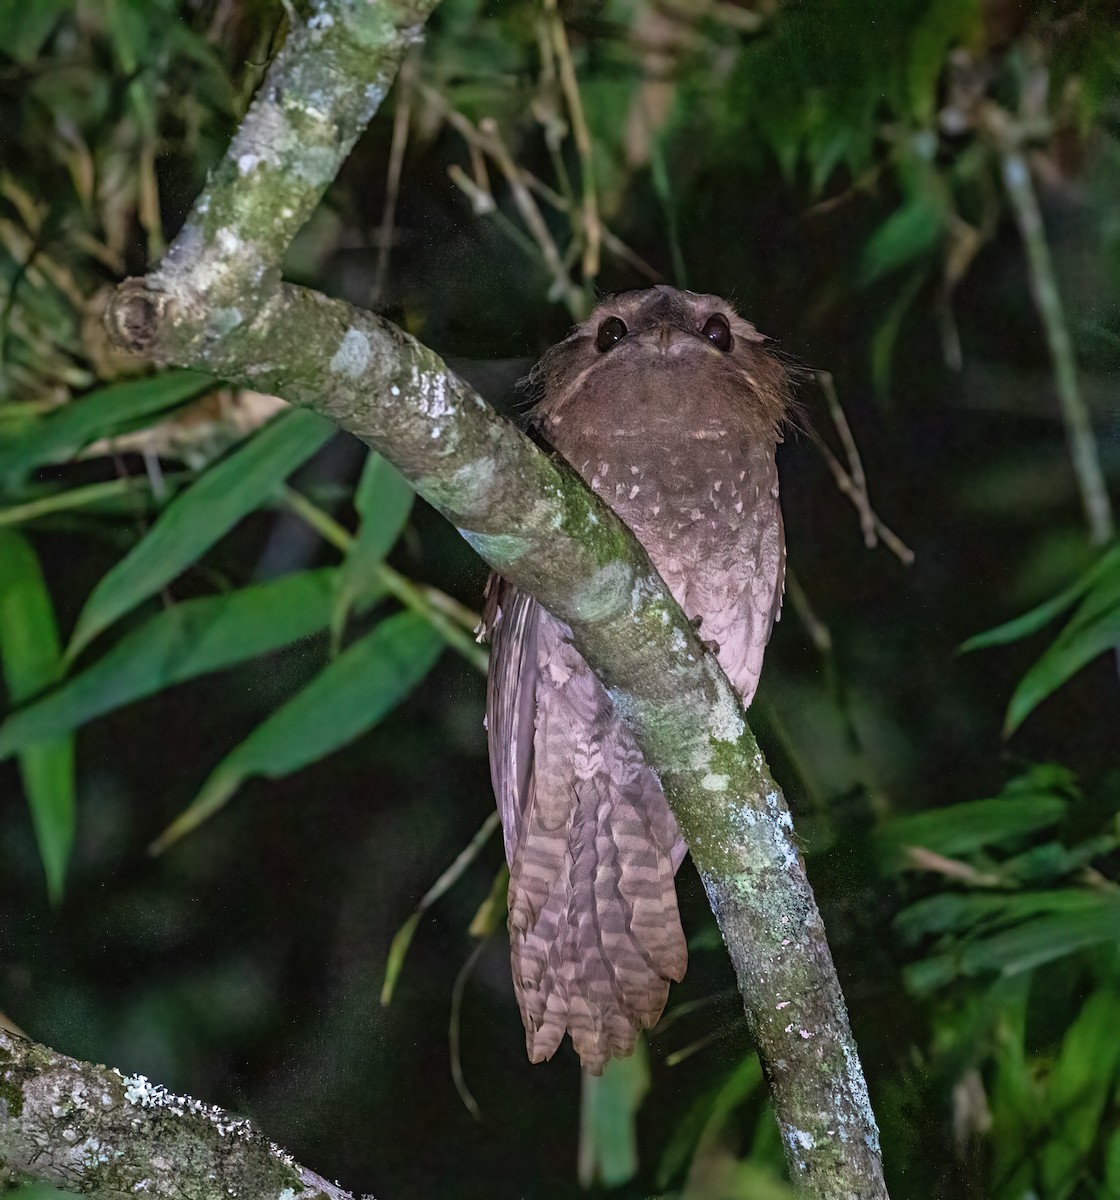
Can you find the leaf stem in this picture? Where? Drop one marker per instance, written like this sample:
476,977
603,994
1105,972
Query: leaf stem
92,493
449,618
1075,413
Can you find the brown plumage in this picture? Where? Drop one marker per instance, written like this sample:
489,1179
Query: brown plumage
670,407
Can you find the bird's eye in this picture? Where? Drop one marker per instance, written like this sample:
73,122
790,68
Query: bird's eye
612,330
718,332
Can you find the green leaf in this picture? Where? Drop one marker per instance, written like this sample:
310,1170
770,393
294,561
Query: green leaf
964,913
383,499
1037,618
198,517
96,415
398,949
30,650
1112,1169
963,828
707,1116
1078,1089
190,639
1079,921
908,233
1093,629
885,337
353,692
25,27
608,1135
944,24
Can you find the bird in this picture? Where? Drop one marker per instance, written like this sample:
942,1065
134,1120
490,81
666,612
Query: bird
670,406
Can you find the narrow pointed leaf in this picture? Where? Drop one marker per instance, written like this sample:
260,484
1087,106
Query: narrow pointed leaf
106,411
347,698
1094,629
200,516
963,828
383,499
190,639
30,650
608,1134
1038,618
1078,1089
398,948
909,232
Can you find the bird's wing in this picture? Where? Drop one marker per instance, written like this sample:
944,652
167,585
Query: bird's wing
595,935
511,619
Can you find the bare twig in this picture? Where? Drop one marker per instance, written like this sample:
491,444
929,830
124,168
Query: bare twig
819,633
406,83
1007,138
855,465
592,232
853,482
563,287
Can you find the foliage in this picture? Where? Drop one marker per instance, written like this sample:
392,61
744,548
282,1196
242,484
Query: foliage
197,589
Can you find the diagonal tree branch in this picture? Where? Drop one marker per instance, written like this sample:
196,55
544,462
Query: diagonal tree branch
217,303
88,1128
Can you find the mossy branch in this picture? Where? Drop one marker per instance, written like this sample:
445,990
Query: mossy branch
90,1129
217,303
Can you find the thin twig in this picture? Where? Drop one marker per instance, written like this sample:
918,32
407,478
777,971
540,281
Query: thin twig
855,464
563,286
453,1030
1044,287
592,231
401,120
611,241
853,482
408,593
844,482
819,632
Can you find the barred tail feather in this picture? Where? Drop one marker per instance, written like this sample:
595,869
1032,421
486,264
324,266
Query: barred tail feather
593,953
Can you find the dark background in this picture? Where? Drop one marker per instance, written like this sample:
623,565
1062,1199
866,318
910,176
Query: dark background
245,964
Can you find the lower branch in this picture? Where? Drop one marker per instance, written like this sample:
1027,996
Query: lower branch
87,1128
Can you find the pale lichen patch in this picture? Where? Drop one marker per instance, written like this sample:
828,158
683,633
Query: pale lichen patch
352,356
727,719
605,594
498,549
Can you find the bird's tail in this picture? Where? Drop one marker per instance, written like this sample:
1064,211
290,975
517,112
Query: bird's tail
595,936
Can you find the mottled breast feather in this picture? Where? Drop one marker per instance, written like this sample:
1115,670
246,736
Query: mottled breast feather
675,426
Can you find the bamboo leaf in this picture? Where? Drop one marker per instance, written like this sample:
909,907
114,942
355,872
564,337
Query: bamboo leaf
190,639
608,1135
908,233
103,412
383,499
398,948
347,698
1037,618
1078,1089
30,649
1062,661
198,517
707,1116
962,828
